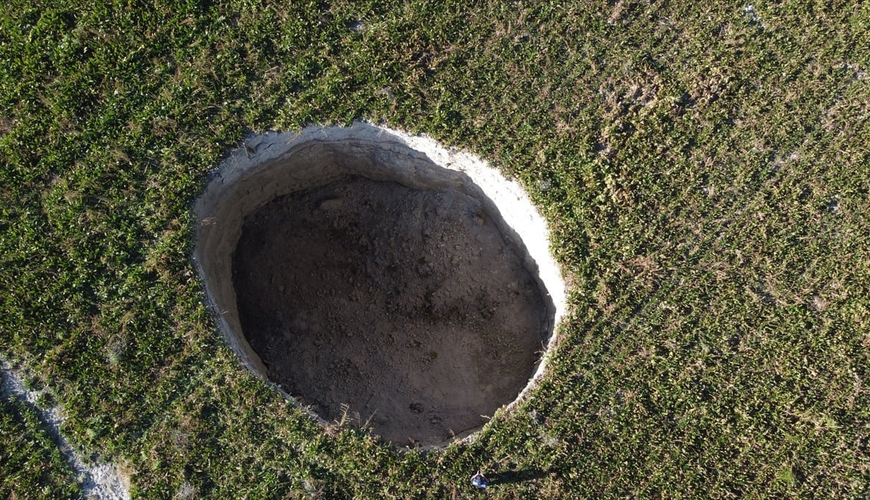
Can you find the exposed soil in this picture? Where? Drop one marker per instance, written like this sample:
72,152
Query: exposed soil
404,306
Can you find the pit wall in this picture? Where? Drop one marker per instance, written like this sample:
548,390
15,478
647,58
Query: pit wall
271,165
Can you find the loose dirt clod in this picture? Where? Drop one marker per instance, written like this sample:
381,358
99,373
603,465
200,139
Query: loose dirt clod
405,306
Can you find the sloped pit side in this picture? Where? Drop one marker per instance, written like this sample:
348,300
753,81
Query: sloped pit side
272,166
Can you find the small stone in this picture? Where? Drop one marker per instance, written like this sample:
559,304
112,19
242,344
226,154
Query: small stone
331,204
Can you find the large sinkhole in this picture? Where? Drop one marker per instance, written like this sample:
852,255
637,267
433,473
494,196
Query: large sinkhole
371,274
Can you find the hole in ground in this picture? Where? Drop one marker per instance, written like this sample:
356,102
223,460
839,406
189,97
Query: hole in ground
360,276
405,305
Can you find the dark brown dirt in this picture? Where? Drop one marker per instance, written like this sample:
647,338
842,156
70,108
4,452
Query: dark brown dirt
404,306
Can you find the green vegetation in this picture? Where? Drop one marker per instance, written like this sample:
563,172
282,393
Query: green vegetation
704,167
31,463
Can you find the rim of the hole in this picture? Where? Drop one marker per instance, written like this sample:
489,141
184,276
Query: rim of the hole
259,154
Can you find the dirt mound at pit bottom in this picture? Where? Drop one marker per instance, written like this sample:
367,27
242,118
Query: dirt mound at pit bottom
404,306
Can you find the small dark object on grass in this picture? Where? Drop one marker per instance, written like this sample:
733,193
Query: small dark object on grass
479,481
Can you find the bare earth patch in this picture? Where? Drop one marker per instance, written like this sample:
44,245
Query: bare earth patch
405,306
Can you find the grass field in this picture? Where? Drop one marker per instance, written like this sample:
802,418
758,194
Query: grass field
704,168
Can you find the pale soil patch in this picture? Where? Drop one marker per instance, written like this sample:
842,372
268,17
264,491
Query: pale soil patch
99,480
